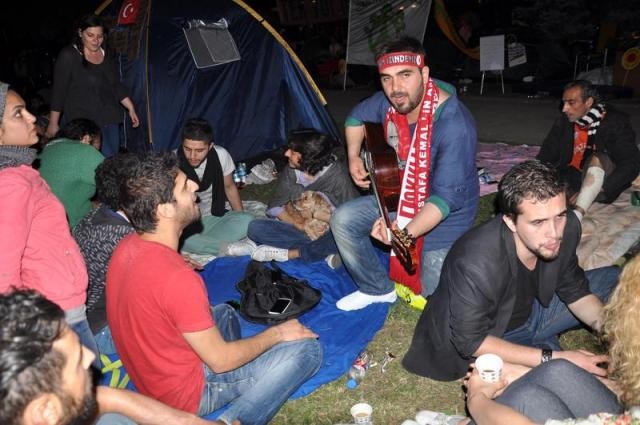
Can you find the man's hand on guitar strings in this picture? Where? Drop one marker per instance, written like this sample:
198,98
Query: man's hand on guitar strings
381,232
358,172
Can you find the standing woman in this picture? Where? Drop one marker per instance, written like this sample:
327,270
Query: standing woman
37,250
86,84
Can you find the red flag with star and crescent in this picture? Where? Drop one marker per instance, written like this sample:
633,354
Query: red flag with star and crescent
128,12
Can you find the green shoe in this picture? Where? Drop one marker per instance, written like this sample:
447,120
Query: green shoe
416,301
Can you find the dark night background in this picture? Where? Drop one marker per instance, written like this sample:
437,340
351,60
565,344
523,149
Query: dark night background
553,31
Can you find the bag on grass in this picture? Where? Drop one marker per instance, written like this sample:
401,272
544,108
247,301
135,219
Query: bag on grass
270,296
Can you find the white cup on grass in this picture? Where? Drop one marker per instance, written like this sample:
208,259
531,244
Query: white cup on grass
361,413
489,367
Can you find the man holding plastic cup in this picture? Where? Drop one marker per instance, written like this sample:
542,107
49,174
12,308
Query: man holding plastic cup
511,285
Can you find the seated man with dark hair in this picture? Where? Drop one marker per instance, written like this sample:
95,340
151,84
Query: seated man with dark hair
593,147
309,189
97,235
512,285
68,164
45,373
211,167
174,346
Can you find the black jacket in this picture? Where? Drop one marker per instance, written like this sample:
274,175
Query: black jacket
476,296
614,137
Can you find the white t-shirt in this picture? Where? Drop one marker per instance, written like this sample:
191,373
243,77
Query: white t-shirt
228,167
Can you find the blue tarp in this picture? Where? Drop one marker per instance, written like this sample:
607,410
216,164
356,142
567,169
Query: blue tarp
343,334
252,104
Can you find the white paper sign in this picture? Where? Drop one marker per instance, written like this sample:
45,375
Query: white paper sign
492,53
517,54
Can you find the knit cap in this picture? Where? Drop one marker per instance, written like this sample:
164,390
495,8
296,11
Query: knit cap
3,98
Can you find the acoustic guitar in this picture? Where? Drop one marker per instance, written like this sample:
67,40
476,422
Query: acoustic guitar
381,163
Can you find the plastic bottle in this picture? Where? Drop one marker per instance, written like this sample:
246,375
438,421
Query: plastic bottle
240,175
358,369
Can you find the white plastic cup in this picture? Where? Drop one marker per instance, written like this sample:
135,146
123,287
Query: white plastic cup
361,413
489,367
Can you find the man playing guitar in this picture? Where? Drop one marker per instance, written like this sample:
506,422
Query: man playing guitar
434,137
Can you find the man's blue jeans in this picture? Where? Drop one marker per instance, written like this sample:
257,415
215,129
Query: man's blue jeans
104,341
284,235
545,323
351,226
110,138
257,390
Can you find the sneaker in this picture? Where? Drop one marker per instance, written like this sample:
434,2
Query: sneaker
334,261
237,249
270,253
414,300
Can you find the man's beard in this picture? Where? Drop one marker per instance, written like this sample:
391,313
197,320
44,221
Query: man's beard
189,218
411,102
79,413
546,255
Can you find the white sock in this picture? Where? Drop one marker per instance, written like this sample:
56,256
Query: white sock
357,300
589,190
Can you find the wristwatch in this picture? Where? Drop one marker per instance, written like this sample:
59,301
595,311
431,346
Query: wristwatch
546,355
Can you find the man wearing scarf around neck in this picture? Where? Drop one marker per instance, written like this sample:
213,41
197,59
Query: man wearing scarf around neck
593,148
211,167
434,136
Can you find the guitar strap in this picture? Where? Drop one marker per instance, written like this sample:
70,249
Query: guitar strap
415,152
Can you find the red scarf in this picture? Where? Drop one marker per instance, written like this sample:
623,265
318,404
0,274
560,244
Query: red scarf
415,186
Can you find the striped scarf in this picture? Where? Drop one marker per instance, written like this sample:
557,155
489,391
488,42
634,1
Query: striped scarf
591,120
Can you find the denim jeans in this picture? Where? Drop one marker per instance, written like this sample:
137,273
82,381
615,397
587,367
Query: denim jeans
110,138
351,226
86,338
545,323
257,390
104,341
114,419
559,390
284,235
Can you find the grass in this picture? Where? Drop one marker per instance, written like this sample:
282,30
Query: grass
395,395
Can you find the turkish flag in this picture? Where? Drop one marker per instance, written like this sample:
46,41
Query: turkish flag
128,12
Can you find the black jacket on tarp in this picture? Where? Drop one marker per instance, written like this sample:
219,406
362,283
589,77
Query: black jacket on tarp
615,137
476,296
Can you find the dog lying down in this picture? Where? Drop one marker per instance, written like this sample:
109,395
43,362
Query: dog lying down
311,213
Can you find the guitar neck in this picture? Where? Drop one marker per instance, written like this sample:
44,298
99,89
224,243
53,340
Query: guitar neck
374,188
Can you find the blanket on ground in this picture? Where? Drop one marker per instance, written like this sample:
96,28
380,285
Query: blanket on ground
498,158
609,230
343,335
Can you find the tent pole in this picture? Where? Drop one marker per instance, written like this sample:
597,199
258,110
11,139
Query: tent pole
146,69
346,58
344,81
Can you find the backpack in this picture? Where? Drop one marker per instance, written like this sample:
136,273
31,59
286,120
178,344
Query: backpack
265,291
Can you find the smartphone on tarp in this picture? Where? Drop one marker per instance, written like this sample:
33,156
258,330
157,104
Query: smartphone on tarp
280,306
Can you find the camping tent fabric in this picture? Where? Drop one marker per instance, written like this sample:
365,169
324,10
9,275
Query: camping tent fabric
252,104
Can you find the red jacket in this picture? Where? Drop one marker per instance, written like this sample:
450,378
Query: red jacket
37,250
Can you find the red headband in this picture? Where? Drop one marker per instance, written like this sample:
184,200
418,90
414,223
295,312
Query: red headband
400,58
